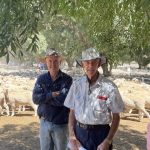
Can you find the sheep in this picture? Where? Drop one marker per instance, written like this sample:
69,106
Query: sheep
135,97
18,94
3,104
23,97
119,82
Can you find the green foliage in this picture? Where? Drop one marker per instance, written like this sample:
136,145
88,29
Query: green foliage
19,21
29,57
118,28
64,34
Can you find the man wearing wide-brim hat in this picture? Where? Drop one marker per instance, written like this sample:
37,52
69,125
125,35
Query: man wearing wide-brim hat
49,94
95,104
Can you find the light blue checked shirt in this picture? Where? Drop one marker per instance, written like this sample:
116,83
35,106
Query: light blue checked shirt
95,104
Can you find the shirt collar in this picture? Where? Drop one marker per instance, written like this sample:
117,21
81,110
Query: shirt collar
59,75
98,82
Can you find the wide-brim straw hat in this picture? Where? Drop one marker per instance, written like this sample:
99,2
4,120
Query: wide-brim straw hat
91,54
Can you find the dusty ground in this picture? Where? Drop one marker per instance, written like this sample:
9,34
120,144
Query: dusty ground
21,133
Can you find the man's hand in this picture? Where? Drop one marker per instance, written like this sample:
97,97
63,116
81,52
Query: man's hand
104,145
55,94
75,144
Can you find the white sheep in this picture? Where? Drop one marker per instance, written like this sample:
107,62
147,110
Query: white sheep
135,96
20,97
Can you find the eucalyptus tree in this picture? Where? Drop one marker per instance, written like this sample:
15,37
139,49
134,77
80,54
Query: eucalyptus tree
101,26
61,33
118,28
140,36
19,21
31,58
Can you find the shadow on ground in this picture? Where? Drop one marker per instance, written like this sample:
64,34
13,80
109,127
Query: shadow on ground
129,139
16,137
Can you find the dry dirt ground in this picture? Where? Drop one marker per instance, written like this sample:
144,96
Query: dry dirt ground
20,132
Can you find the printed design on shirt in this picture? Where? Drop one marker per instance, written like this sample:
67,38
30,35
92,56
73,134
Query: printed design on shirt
64,90
103,98
38,88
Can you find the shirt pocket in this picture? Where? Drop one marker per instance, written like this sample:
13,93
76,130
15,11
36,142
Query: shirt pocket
100,108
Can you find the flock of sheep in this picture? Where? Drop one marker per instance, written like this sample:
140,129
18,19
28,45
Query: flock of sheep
16,93
136,95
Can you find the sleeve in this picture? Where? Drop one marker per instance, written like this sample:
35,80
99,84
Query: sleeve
116,102
40,94
59,100
70,99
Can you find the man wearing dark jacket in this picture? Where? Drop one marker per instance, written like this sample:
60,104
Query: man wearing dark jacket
49,93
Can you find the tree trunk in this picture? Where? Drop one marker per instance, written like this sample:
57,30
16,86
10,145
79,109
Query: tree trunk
106,72
70,64
140,66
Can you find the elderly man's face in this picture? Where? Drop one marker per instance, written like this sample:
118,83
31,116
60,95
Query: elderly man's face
53,63
91,67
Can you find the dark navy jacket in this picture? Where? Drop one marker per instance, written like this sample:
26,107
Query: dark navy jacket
52,108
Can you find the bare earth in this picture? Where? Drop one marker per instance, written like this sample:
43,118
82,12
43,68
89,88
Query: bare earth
20,132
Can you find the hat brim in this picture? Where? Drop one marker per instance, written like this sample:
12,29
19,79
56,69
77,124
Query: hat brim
103,60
